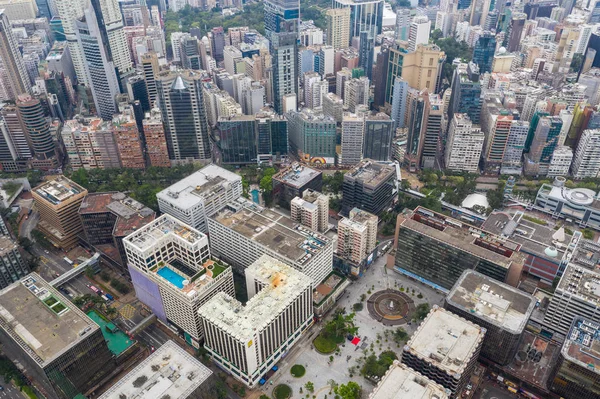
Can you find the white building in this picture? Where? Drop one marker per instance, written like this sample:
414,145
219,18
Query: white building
200,195
513,154
248,340
560,162
402,382
356,92
357,236
182,376
418,32
464,145
353,128
586,162
244,231
172,273
312,210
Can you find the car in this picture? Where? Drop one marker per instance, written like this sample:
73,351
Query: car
469,386
1,388
87,285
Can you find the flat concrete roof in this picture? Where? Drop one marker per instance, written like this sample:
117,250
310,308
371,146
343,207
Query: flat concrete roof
493,301
446,340
371,173
535,360
46,323
581,282
282,283
297,175
194,189
155,232
582,345
168,372
7,244
402,382
58,190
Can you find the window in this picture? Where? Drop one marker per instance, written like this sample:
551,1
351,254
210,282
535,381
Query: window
430,61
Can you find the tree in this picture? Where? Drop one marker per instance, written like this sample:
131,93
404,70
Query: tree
400,335
421,311
340,325
310,387
576,62
220,390
496,197
351,390
376,367
435,35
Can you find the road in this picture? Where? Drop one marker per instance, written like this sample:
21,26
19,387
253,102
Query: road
10,392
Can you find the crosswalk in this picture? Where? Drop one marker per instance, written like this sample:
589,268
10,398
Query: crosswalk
127,311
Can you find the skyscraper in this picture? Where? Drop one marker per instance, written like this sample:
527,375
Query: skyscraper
281,28
110,21
400,93
353,130
37,130
513,39
312,135
483,54
418,32
150,69
365,15
237,139
463,145
218,43
180,98
543,145
466,92
70,11
272,136
365,52
377,141
338,27
586,162
402,24
12,69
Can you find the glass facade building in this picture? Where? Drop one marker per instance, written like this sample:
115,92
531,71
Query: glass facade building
378,135
237,139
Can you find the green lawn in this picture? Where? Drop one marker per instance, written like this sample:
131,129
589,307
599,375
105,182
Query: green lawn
218,269
297,370
282,392
325,345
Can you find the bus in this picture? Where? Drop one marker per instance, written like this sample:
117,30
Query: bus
69,261
96,290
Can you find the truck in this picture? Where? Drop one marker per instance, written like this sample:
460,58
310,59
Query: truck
110,297
69,261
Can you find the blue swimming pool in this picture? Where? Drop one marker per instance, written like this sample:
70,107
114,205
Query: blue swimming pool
171,276
255,196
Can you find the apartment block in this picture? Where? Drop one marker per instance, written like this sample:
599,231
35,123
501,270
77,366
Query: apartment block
312,210
357,236
154,136
128,140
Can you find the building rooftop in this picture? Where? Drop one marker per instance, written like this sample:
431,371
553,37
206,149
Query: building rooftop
7,244
166,226
273,230
493,301
535,360
582,345
578,197
581,282
58,190
400,382
296,175
467,238
446,340
301,202
360,216
41,320
371,173
168,372
199,186
282,285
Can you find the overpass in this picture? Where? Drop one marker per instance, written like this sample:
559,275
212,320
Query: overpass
77,270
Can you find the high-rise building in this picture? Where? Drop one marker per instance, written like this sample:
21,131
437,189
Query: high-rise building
466,92
74,358
71,11
379,133
463,145
484,51
248,340
200,195
243,231
236,139
12,71
586,162
173,273
543,145
281,28
364,16
181,101
369,186
513,154
107,218
353,130
154,137
418,32
13,266
560,164
272,136
218,43
356,93
452,367
128,140
150,68
357,236
291,182
401,380
137,91
90,143
399,102
311,210
37,131
58,202
365,52
338,27
312,136
501,309
403,18
436,249
97,61
513,38
110,22
577,375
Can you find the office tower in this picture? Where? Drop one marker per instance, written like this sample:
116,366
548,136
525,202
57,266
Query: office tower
137,91
356,93
107,218
543,145
98,64
173,274
183,376
450,368
560,164
281,28
438,249
576,372
128,140
200,195
418,32
236,139
189,52
484,51
314,90
357,236
433,120
37,131
496,123
338,27
71,360
20,9
517,135
341,77
150,70
369,186
181,101
333,106
90,143
291,182
466,92
513,38
312,136
233,238
380,72
110,23
499,308
399,103
353,130
71,11
311,210
232,58
176,38
365,52
218,43
415,110
402,24
272,136
586,162
378,136
12,69
12,265
364,16
154,137
247,340
463,145
400,379
58,201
